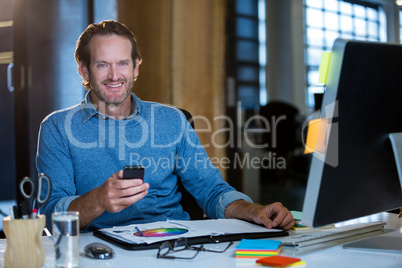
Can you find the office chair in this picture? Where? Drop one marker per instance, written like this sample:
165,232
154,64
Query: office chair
283,116
187,200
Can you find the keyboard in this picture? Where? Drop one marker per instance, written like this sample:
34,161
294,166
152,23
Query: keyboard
320,235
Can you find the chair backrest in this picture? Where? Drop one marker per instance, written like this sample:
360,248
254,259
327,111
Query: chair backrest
284,116
187,200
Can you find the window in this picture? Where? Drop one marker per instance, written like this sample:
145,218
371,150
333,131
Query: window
248,48
263,52
328,20
400,26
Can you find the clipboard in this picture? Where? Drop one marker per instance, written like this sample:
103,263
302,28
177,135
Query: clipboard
203,239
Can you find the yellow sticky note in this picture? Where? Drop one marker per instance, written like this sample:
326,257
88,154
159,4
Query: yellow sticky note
316,135
324,65
297,264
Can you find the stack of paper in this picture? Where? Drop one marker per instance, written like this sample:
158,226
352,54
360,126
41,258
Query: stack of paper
257,248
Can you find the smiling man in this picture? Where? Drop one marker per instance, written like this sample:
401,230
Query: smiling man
84,148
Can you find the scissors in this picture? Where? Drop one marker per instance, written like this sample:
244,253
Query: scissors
31,191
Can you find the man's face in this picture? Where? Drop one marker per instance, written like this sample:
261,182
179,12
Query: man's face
111,72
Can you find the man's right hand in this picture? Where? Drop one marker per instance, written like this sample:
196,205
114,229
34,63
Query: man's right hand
114,195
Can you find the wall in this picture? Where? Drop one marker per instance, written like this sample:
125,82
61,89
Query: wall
285,45
182,44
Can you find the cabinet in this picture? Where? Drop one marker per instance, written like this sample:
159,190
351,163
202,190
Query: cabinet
38,37
7,141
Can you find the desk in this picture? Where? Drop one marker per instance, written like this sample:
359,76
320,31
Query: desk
329,255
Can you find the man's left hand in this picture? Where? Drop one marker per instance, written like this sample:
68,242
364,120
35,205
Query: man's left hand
271,216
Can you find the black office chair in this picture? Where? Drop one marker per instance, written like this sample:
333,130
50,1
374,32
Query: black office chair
284,143
187,200
285,114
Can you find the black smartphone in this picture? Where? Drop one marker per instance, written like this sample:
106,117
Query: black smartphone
133,172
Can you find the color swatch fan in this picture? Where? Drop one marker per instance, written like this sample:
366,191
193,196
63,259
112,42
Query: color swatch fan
161,232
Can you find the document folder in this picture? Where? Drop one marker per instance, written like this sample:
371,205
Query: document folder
198,232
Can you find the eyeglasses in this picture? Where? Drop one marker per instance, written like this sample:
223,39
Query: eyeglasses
181,245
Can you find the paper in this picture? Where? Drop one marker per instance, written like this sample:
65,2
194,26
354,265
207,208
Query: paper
324,66
193,229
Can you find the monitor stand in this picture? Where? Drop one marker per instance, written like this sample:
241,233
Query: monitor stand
385,243
396,141
380,243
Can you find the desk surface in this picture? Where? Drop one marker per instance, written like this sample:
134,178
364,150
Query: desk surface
325,255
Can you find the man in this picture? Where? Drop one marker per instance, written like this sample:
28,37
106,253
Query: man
84,148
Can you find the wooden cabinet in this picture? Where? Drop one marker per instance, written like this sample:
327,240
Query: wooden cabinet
38,37
7,141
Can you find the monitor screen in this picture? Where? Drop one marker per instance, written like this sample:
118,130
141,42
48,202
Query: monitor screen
355,173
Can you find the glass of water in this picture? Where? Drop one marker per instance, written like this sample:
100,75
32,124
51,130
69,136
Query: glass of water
66,229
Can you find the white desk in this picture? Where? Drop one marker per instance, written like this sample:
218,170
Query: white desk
329,255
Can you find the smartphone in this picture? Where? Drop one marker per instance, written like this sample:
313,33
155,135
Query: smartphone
133,172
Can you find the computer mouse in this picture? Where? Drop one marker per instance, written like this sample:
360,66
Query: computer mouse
98,251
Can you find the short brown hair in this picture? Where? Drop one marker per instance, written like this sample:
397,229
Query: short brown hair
82,52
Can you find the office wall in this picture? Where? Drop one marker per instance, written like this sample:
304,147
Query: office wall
182,44
45,74
7,132
285,52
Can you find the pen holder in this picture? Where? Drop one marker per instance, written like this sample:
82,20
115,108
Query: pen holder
24,242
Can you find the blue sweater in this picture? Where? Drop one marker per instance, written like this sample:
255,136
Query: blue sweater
79,148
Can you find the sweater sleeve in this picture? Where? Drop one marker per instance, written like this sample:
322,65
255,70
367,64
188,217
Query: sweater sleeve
202,179
53,159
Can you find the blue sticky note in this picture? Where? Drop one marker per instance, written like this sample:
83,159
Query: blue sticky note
258,244
297,215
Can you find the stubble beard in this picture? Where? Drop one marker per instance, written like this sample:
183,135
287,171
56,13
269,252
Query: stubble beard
96,89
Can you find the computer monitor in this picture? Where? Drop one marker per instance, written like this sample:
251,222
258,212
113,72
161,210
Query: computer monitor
356,173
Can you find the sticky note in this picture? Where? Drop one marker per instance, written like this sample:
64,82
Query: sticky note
278,261
258,244
324,66
297,215
316,136
257,248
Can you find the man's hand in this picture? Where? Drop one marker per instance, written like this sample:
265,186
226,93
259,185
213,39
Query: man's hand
273,215
114,195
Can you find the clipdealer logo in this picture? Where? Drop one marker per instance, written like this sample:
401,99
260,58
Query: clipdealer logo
114,134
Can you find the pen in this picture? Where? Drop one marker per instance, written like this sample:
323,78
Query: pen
14,212
138,230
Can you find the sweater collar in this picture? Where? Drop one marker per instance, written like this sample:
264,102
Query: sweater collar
88,110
